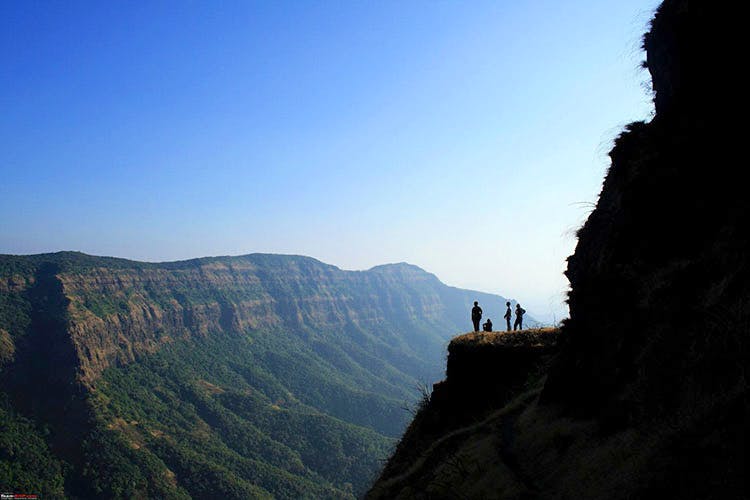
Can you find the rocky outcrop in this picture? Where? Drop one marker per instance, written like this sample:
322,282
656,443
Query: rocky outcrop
485,371
497,358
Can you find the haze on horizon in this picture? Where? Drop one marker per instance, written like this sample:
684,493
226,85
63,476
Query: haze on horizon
467,139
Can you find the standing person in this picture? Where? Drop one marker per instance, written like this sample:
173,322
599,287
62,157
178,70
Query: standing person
520,311
476,315
508,314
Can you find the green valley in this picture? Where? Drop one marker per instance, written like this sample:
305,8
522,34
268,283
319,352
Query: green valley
243,377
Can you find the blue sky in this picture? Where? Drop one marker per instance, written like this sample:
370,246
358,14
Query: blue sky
468,138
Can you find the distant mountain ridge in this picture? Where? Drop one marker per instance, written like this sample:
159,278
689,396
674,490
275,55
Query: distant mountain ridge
231,347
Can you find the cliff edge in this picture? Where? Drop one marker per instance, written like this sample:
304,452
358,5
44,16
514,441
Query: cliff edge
648,396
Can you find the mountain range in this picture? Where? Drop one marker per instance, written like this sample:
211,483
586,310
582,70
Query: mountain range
252,376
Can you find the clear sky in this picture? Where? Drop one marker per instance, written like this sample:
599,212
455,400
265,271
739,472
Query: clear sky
468,138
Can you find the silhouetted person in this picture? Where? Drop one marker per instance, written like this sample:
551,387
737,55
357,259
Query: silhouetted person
520,311
487,326
508,314
476,315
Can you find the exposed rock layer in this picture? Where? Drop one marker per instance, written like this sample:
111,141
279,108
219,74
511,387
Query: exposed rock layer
342,349
116,309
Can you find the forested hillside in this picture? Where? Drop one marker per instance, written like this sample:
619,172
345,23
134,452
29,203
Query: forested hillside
253,376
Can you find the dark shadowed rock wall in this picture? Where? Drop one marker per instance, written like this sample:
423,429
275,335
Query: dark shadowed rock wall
660,296
648,397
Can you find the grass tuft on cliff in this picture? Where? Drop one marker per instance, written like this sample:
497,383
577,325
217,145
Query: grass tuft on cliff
534,337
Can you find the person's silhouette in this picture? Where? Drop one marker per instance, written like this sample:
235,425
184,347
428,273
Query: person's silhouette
508,314
487,326
520,311
476,315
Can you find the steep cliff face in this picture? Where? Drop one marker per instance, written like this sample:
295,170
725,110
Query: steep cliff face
334,354
648,397
116,312
485,371
659,279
